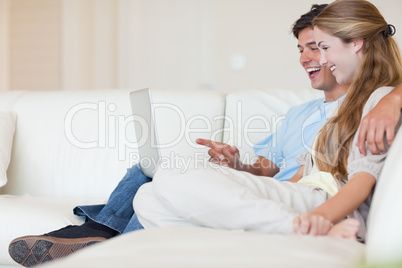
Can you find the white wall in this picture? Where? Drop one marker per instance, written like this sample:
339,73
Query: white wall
89,38
137,44
168,44
183,44
191,43
260,30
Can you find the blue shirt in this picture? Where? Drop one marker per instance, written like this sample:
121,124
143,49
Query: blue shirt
294,136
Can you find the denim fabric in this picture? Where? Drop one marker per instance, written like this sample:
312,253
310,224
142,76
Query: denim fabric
134,224
118,213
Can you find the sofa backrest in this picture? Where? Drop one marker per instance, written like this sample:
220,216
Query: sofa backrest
64,144
80,143
255,114
182,117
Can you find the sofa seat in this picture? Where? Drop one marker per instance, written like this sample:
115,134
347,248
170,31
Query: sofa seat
201,247
30,215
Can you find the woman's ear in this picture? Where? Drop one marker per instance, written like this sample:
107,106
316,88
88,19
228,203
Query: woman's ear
358,44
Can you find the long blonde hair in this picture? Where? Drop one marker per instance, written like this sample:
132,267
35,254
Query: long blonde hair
381,66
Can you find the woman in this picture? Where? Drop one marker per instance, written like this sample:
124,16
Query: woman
356,44
335,181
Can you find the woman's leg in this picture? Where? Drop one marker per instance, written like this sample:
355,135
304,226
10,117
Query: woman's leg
224,198
151,212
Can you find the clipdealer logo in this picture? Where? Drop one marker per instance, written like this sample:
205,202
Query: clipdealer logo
91,125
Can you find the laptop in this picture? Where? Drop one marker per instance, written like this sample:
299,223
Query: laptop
145,130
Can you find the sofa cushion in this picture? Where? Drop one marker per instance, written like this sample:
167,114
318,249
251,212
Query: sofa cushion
70,143
253,115
200,247
7,127
80,143
180,121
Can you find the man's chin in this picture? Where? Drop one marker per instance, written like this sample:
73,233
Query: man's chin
316,85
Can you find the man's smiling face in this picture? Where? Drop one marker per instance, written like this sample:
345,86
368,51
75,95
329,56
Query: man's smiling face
321,77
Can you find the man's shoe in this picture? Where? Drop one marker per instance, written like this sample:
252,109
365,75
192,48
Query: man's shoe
33,250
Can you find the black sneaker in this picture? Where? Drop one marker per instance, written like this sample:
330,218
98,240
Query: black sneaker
37,249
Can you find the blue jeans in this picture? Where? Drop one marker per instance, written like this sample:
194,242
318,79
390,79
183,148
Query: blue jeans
118,213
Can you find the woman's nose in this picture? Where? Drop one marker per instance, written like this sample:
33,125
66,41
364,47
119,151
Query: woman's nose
323,60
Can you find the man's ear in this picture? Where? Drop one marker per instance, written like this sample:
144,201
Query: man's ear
358,44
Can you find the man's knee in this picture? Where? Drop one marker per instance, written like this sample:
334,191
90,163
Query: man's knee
167,182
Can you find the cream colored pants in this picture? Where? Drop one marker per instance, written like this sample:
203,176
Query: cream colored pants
223,198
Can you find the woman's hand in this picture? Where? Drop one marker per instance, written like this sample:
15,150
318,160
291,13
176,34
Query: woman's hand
311,224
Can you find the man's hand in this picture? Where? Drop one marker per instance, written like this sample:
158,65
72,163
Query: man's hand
311,224
222,153
229,156
379,122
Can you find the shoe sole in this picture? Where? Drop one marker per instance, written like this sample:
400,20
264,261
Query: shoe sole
33,250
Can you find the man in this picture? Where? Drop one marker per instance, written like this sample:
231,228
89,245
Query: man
118,217
288,145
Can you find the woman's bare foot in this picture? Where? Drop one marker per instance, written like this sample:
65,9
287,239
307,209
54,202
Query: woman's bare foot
345,229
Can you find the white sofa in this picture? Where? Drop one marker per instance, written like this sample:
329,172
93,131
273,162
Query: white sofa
72,148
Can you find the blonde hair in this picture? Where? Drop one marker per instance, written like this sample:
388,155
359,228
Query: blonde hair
350,20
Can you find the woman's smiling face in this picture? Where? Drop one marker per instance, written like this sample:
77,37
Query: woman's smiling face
343,59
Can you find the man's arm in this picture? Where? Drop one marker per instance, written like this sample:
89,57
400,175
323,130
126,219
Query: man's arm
229,156
262,167
298,175
379,122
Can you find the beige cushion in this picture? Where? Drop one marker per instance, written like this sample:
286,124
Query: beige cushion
200,247
7,127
